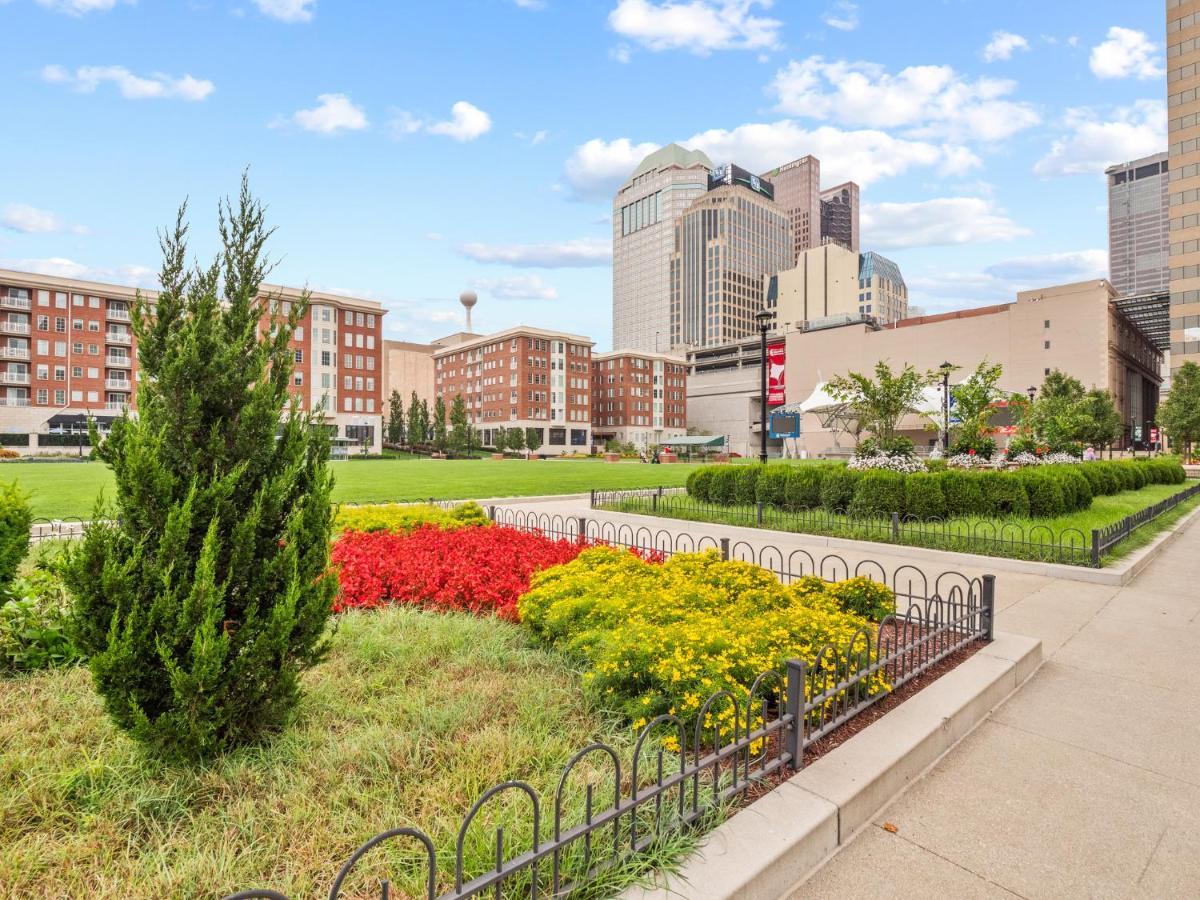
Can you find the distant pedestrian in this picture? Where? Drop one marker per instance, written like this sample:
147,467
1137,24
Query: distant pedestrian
1089,454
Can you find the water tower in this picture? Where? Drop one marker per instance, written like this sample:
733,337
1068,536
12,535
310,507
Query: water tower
468,299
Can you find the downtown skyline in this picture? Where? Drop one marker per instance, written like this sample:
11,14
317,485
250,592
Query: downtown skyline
411,152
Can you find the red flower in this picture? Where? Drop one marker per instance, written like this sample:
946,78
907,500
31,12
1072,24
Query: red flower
971,451
479,570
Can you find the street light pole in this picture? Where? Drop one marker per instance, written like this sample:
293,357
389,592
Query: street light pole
946,368
764,324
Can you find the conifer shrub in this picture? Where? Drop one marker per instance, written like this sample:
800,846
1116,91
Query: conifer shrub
15,519
804,486
772,485
203,591
837,489
963,492
923,497
878,493
746,483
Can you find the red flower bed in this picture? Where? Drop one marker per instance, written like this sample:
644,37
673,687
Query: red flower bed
478,570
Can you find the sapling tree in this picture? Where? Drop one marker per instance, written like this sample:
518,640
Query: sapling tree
395,423
203,590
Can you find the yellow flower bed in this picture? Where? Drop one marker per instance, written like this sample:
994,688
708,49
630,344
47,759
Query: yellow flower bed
663,638
400,517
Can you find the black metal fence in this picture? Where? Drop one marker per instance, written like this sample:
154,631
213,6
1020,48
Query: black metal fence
1105,539
999,537
681,773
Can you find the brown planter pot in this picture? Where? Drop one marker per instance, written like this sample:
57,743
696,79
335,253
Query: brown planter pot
497,456
721,458
668,458
612,457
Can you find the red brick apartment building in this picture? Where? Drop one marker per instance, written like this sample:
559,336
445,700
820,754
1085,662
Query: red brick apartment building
67,351
638,398
522,378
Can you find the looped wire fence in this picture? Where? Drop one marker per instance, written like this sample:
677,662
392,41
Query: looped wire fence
681,775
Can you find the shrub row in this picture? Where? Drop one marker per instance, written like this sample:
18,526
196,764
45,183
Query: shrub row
1038,491
402,517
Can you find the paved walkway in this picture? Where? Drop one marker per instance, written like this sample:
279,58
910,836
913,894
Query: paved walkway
1086,783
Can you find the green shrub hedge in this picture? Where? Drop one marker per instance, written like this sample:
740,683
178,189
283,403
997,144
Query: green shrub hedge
1041,491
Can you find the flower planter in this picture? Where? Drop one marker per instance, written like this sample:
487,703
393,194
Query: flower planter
612,457
668,458
720,458
497,456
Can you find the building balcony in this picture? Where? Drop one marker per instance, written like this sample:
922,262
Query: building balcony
14,401
117,315
21,303
21,353
118,384
119,362
112,406
14,378
118,337
9,327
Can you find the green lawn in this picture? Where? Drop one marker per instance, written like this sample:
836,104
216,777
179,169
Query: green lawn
408,721
1020,538
70,489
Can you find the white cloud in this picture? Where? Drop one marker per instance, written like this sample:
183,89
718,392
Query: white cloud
30,220
946,290
581,253
939,222
699,26
466,123
530,4
138,276
333,113
517,287
928,101
1002,45
287,10
80,7
1126,53
843,15
1094,142
86,79
597,167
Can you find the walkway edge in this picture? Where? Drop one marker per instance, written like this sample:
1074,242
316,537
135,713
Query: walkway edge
767,849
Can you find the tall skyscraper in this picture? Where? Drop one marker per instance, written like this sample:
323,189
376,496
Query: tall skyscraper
1138,236
839,215
798,194
1183,112
725,242
645,210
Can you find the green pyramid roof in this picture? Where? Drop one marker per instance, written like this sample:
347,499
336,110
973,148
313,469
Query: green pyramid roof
672,155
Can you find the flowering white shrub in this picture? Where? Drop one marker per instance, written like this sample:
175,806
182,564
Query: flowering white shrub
1058,458
1026,459
973,461
893,463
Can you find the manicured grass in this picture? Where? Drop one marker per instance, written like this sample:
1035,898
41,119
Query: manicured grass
1064,538
411,718
70,489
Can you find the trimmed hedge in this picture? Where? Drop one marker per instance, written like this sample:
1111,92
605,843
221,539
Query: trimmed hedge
1040,491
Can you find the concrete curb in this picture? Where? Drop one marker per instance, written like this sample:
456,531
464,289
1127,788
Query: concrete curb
768,848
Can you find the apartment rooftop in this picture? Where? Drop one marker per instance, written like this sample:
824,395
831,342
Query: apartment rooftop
515,331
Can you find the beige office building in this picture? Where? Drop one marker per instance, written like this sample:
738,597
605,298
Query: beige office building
833,282
725,243
1183,129
882,293
1074,327
645,210
408,368
798,194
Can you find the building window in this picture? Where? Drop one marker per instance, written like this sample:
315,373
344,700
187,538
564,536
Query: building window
298,334
1046,345
348,318
299,356
1047,324
43,396
298,379
60,398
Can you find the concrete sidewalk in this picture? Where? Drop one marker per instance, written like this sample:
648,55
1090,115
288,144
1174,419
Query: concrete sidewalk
1086,783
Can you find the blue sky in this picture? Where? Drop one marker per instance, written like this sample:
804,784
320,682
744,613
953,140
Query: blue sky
408,150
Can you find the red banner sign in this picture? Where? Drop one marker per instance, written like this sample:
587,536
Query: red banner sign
776,358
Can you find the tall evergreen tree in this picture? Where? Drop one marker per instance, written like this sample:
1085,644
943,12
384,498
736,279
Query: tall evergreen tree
414,420
460,427
395,425
204,591
423,421
438,428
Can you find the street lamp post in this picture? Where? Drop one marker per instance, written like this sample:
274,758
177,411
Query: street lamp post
764,325
946,370
1031,391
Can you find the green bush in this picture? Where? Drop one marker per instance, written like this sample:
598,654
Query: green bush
15,519
1140,479
963,492
1045,493
923,497
699,483
1110,473
723,486
1129,480
935,465
1077,489
35,630
837,489
745,490
772,485
804,486
860,596
1093,473
878,492
1003,494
